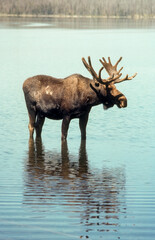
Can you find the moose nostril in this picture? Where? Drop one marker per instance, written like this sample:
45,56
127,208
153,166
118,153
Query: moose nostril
123,103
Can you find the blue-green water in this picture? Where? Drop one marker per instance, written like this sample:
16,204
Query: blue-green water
101,189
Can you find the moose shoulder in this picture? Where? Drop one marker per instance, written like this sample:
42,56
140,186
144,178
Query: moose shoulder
71,97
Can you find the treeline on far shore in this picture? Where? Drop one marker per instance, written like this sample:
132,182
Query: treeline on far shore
105,8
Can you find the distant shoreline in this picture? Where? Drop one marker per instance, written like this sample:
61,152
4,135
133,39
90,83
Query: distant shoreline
74,16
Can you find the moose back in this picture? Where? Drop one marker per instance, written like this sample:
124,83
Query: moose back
72,97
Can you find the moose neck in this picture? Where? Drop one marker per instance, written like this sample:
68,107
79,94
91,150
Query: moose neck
97,96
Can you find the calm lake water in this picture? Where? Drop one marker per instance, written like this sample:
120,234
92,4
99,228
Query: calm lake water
101,189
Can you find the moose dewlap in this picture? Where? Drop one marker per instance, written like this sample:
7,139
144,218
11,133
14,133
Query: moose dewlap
72,97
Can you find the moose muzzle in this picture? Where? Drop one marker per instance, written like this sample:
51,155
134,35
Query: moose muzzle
121,101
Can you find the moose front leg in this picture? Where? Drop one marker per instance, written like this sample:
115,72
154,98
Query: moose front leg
64,128
83,124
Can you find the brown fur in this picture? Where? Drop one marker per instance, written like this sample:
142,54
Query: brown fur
68,98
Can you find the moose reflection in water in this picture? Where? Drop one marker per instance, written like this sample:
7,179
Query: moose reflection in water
56,181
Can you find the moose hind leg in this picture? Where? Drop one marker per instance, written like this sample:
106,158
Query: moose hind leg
32,117
39,124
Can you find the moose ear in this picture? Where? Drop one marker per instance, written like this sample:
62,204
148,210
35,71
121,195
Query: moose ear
97,84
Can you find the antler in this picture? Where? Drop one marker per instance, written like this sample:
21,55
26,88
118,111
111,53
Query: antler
125,78
112,70
98,77
91,70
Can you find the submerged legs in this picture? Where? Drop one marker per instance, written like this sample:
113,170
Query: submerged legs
35,124
36,121
82,124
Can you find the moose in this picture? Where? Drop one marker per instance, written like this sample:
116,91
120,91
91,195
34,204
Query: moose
72,97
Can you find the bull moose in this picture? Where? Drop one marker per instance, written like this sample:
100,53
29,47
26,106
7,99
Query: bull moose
72,97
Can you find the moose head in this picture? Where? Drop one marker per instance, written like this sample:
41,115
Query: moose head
105,88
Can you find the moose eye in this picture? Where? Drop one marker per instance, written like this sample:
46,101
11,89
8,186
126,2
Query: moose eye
97,84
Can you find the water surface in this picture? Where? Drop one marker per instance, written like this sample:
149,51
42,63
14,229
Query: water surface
99,189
